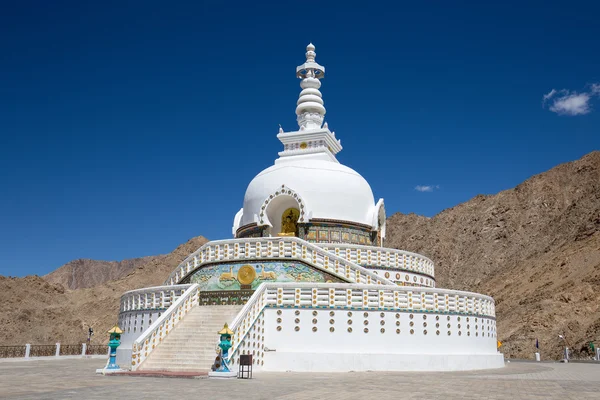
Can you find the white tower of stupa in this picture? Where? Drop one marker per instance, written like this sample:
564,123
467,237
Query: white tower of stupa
314,182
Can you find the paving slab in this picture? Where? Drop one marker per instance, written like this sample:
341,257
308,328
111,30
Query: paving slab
76,379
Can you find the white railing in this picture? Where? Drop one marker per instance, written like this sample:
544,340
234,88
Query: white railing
357,297
151,298
248,249
381,257
154,335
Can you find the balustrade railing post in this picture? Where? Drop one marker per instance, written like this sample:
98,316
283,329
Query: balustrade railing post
57,350
27,350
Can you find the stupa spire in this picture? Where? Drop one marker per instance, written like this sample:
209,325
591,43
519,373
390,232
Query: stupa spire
310,109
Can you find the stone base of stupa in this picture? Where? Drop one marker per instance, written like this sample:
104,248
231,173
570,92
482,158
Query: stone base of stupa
222,374
106,371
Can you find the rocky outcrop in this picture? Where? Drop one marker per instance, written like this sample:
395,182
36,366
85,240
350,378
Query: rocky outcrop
85,273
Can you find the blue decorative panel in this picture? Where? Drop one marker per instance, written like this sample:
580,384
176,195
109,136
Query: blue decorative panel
227,276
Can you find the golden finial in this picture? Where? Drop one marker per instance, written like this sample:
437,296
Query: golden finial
225,331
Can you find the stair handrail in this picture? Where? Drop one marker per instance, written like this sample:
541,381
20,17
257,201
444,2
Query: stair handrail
235,324
181,268
159,329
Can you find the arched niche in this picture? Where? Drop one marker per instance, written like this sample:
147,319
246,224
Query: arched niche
279,210
273,209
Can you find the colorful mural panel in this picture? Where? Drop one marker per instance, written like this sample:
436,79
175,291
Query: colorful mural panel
244,276
335,233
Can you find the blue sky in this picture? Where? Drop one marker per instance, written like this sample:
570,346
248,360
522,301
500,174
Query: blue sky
127,128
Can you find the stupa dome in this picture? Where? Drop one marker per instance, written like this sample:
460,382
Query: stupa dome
326,189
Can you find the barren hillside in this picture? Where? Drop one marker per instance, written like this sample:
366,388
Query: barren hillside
534,248
44,313
85,273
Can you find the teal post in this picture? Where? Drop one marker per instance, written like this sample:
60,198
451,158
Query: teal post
113,343
222,360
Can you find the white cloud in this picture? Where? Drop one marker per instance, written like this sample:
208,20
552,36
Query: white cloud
565,102
426,188
572,104
549,95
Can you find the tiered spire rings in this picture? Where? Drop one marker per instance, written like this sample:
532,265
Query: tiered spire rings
310,109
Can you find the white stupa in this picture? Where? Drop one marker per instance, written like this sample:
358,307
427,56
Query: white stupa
306,284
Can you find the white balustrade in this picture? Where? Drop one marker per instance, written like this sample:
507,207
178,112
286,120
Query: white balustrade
372,256
157,331
275,248
356,297
151,298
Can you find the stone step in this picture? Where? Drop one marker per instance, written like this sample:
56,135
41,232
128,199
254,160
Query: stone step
202,323
175,368
186,363
212,323
212,328
186,346
171,357
195,334
191,345
177,350
165,361
182,356
188,343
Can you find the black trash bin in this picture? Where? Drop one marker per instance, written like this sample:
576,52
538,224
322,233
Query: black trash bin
245,367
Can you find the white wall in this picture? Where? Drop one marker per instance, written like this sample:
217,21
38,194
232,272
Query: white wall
133,324
340,350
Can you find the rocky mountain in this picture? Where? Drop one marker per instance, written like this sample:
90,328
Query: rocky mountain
42,312
85,273
534,248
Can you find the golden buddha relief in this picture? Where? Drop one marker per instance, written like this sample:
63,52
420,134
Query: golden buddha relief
289,222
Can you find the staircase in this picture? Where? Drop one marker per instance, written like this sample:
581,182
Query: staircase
191,346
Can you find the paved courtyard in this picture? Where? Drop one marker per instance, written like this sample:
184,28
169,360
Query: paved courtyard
76,379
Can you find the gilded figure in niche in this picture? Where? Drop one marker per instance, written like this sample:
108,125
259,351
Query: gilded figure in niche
289,222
